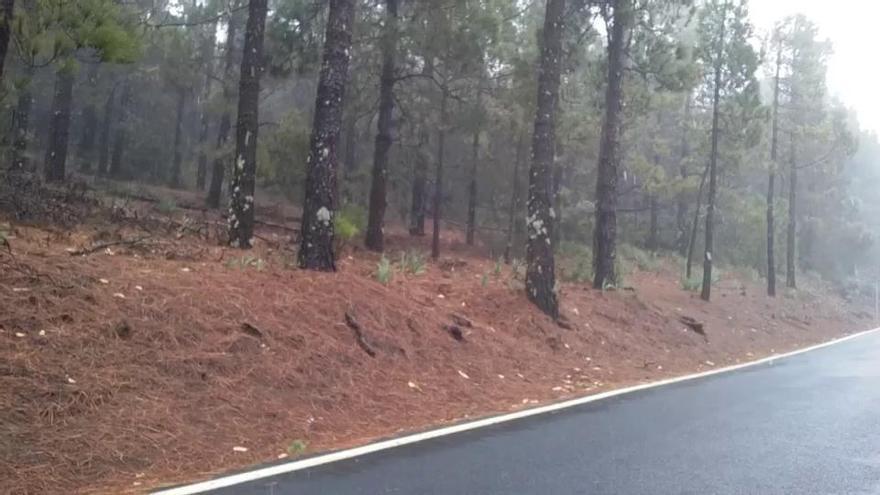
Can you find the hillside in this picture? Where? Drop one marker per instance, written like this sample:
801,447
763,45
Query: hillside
136,352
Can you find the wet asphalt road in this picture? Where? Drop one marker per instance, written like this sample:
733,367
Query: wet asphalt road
809,424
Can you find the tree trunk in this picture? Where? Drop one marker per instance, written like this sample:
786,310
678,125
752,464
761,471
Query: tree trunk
375,239
681,240
219,167
59,127
204,127
771,182
419,190
120,141
7,8
174,180
472,190
514,200
22,121
89,125
653,230
104,138
241,210
438,174
695,225
791,238
316,248
706,293
605,233
541,269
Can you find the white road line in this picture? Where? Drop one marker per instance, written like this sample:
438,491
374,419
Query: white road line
289,467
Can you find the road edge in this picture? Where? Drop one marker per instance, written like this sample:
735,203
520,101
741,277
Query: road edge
331,457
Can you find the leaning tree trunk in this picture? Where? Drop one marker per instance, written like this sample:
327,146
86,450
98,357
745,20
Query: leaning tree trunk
316,248
514,201
438,174
22,121
89,125
59,127
104,137
375,239
219,166
541,269
174,180
241,209
771,182
204,127
791,238
120,141
706,293
605,232
7,8
681,240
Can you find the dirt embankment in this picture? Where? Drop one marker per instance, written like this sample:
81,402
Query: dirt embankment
165,359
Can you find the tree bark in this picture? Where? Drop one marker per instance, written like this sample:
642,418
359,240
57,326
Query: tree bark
7,8
316,248
438,174
22,121
204,124
791,238
59,127
681,240
605,233
541,268
695,225
104,137
706,293
120,141
771,182
419,189
241,210
653,229
174,180
375,239
219,166
514,200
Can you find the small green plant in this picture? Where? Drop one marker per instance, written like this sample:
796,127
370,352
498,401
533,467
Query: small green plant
518,269
644,260
692,284
484,281
384,271
412,262
297,447
349,222
498,264
246,261
167,206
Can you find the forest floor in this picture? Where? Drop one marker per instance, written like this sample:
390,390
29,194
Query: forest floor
135,351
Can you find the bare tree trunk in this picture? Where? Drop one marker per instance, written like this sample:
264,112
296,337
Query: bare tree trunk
89,125
22,121
706,293
174,180
120,141
204,125
241,209
681,240
514,200
605,233
695,225
419,190
104,137
472,190
7,8
653,230
375,239
791,240
59,129
316,248
438,174
215,190
771,182
541,267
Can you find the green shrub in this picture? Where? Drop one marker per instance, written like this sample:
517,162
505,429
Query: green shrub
384,271
350,221
167,206
412,262
692,284
643,260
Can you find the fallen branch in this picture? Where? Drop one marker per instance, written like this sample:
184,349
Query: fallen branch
105,245
694,325
359,334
